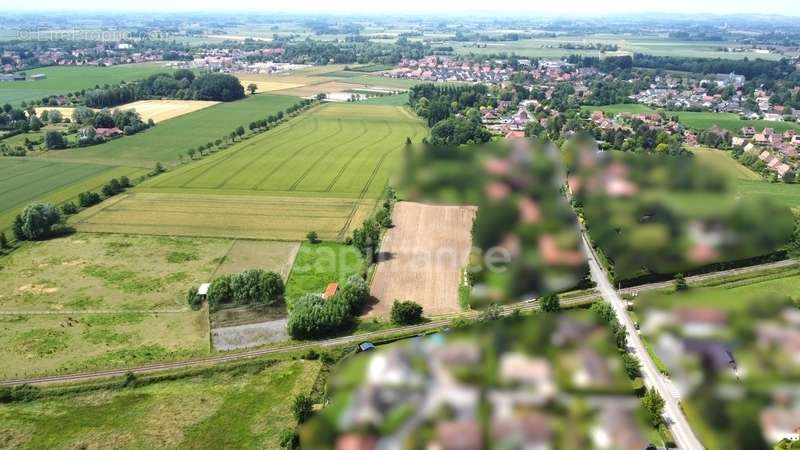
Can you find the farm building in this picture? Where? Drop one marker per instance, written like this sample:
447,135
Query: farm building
202,291
330,290
38,76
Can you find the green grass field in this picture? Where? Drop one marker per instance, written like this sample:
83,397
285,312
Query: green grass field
67,79
391,100
223,410
784,193
627,45
174,137
234,216
335,150
92,301
321,171
317,265
724,162
23,181
701,120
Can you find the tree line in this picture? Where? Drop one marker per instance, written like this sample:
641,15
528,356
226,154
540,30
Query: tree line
181,84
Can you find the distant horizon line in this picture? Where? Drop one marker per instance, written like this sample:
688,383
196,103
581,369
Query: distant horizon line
477,14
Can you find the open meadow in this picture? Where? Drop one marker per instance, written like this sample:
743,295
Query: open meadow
97,301
94,301
251,405
66,79
723,162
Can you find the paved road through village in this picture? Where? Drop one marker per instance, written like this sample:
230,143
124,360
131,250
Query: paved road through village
676,421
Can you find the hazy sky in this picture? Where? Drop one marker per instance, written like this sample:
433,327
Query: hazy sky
566,7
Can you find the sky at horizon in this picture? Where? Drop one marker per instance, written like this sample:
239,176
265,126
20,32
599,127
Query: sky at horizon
528,7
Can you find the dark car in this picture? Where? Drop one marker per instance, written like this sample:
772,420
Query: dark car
366,347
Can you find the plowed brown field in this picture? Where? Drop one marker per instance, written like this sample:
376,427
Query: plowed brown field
422,257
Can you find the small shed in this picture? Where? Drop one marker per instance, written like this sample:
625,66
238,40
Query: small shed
38,76
330,290
202,291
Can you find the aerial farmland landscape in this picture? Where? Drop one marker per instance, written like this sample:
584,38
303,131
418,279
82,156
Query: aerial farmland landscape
435,226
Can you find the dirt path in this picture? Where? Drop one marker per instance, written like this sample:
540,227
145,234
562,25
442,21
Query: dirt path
422,256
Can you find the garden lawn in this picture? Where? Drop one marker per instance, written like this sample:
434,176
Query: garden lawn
316,265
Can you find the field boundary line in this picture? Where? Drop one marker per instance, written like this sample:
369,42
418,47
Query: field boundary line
325,154
341,171
94,312
212,162
280,165
254,145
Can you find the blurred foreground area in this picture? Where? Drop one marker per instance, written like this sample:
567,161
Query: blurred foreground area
733,355
525,235
545,381
652,215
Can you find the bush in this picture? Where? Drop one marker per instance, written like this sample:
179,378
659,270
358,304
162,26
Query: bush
87,199
253,286
406,312
193,299
302,407
24,393
311,317
289,439
257,286
312,237
69,208
680,282
550,303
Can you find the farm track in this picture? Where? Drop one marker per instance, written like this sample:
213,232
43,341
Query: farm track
437,323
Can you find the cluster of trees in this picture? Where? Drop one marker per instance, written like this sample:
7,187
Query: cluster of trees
16,119
605,314
37,221
182,84
348,51
367,237
312,317
452,112
251,287
128,120
89,198
436,103
765,70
